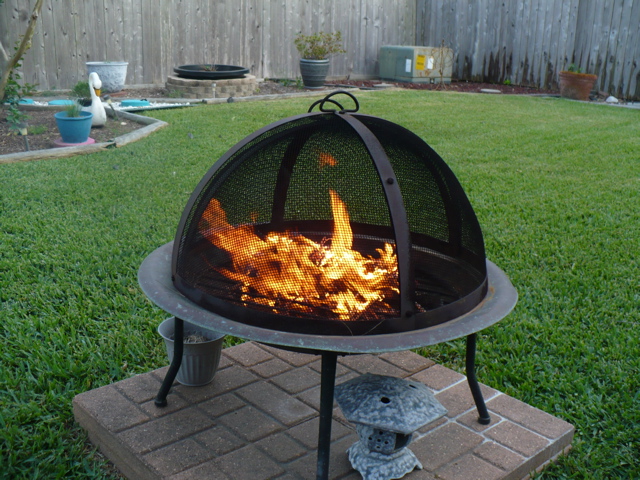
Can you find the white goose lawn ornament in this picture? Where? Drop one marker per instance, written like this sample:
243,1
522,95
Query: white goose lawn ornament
96,107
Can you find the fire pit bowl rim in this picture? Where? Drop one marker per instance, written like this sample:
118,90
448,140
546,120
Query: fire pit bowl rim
154,277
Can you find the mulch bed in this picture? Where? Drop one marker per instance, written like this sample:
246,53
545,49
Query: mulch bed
465,87
44,130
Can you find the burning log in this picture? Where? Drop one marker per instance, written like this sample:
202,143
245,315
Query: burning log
286,268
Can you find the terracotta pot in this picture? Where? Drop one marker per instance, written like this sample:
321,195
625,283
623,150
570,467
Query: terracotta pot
576,86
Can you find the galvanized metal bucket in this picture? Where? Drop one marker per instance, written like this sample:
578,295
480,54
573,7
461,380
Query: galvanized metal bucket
199,360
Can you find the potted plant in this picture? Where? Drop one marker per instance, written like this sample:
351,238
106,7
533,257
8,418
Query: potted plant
576,85
315,51
200,356
73,123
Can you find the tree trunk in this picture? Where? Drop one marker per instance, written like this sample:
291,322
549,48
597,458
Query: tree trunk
25,44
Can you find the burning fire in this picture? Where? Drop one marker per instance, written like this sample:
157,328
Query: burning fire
288,271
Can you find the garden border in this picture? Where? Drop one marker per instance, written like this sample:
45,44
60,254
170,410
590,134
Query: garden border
152,125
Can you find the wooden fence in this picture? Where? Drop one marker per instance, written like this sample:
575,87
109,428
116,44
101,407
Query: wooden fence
529,41
155,36
523,41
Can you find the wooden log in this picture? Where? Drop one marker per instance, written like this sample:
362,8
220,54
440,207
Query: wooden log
53,153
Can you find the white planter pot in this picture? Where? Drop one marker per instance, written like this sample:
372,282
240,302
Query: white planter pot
199,360
112,74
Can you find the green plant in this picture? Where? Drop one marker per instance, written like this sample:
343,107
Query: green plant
299,83
37,129
73,109
49,93
81,90
443,56
507,82
574,68
174,94
319,46
13,94
15,117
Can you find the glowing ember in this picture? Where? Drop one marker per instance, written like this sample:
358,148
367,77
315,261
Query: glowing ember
287,271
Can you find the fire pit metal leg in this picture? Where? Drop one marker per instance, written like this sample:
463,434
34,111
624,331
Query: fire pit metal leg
178,348
327,385
483,413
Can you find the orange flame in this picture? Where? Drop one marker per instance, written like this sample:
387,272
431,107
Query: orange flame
287,271
326,160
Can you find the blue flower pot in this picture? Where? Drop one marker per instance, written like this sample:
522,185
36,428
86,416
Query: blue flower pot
74,129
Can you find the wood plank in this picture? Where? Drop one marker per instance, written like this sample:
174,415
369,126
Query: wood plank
133,39
517,57
482,47
505,41
463,41
372,43
449,28
588,26
544,42
532,36
420,22
53,153
114,30
50,51
554,40
630,83
154,49
140,133
570,39
350,30
271,12
165,28
601,44
617,34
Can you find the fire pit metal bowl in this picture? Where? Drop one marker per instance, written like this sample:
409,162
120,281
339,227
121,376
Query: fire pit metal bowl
155,280
210,71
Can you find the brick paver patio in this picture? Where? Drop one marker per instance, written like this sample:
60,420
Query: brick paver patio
258,420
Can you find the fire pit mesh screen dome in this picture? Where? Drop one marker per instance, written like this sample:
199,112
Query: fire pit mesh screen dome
331,223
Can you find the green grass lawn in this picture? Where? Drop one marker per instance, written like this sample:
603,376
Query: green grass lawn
555,184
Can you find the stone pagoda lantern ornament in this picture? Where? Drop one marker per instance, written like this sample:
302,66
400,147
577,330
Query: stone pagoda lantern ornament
386,412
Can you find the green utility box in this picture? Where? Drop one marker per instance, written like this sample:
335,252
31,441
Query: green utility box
416,64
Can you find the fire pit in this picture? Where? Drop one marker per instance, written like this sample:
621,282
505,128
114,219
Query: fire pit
333,233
